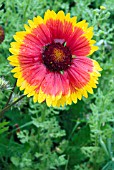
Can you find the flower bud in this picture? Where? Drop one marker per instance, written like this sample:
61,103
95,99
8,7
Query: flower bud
2,35
4,84
102,7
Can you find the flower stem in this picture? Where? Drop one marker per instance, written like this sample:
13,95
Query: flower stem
73,130
43,112
21,127
7,107
11,94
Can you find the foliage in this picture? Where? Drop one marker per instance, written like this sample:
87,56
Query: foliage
78,137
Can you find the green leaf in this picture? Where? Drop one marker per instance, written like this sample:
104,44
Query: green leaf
15,160
2,127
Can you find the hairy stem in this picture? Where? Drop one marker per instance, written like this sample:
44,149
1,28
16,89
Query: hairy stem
7,107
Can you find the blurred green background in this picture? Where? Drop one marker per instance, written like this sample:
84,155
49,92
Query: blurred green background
76,137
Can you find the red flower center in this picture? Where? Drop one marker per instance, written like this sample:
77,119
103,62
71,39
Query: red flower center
57,57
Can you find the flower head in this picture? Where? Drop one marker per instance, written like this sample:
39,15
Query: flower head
50,59
2,35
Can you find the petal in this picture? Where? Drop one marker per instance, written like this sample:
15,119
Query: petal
34,74
28,51
56,28
49,15
83,63
32,41
42,33
78,44
36,21
78,77
55,84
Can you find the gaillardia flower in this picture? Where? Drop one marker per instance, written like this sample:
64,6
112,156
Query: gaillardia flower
50,59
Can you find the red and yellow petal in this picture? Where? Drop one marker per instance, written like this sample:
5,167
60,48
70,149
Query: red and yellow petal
73,92
51,15
65,93
78,93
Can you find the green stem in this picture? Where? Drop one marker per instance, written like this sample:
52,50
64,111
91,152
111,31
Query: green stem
7,107
21,127
43,112
73,130
66,167
11,94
